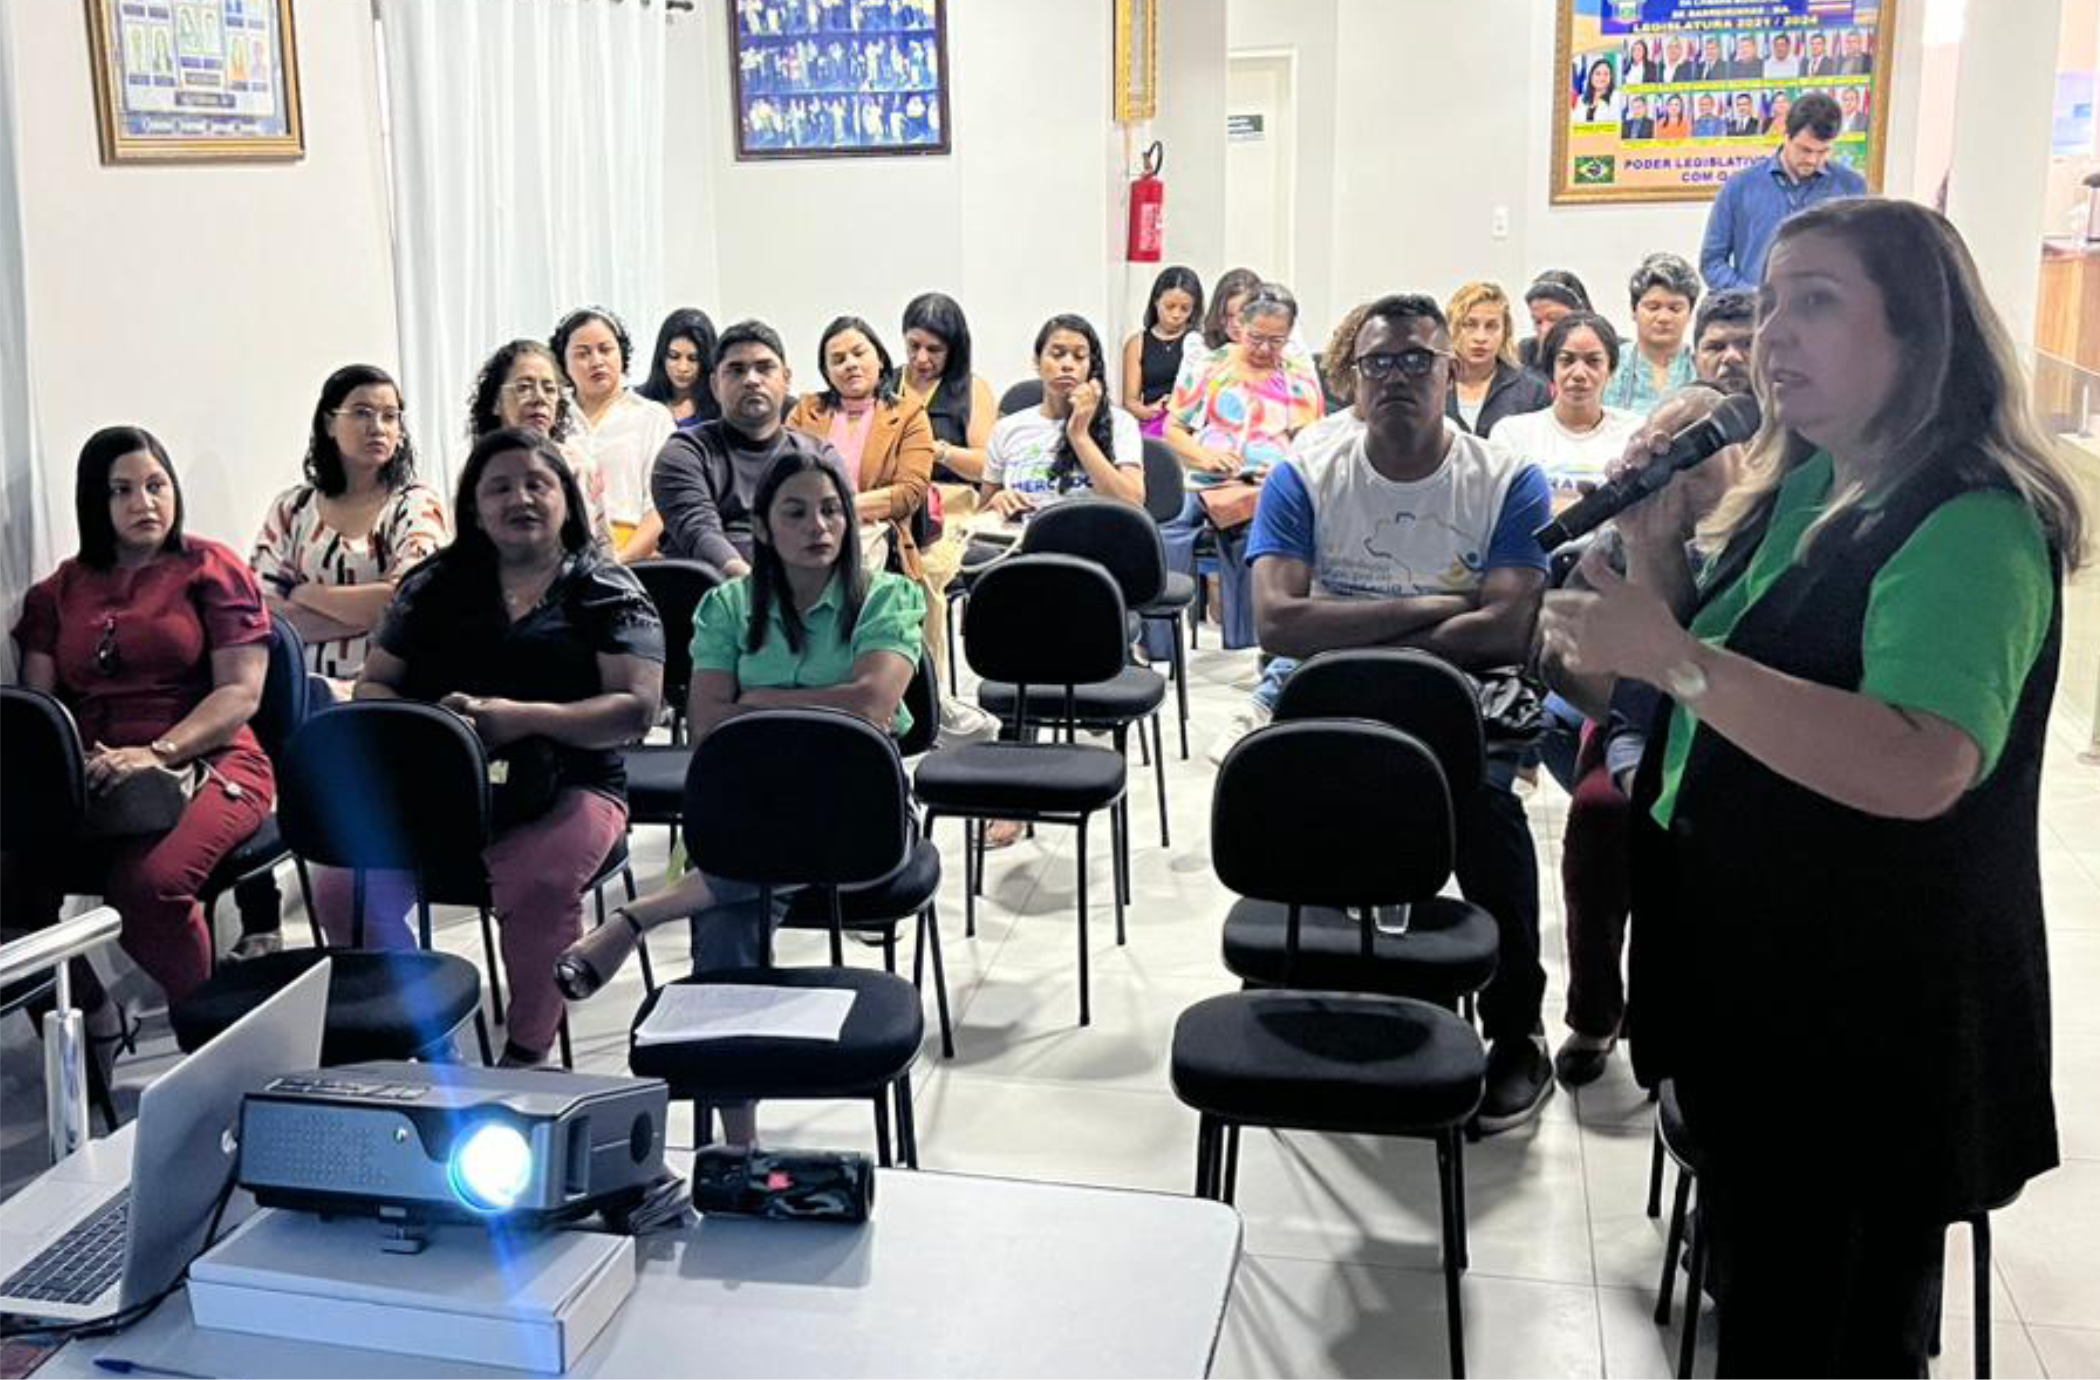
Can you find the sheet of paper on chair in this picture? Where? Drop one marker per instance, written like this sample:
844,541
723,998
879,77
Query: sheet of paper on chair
700,1011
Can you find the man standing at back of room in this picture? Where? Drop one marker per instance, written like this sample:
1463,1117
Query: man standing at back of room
1752,204
706,476
1407,532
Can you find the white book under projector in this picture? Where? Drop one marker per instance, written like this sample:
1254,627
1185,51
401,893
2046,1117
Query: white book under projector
530,1301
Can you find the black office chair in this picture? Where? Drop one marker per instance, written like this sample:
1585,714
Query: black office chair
1165,493
346,799
1122,541
656,771
1674,1138
43,799
1037,621
913,890
1450,946
287,698
800,797
1333,813
1025,394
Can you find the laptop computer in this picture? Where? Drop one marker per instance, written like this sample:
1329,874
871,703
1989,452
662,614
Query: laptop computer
104,1229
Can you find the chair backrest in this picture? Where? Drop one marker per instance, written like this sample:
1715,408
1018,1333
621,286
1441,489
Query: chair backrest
1046,620
676,587
797,796
1025,394
385,784
285,697
1331,812
923,699
43,791
1121,539
1419,694
1166,483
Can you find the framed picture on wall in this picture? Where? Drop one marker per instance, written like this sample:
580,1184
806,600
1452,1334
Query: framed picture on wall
839,78
1665,100
195,80
1137,60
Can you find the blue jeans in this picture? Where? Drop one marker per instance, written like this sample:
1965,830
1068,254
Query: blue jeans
1178,535
1271,686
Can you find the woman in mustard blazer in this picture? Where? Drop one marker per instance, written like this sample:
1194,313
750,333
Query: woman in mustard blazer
883,436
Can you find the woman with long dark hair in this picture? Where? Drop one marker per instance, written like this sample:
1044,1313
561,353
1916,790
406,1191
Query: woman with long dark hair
1076,440
881,434
332,549
155,641
807,627
682,366
1839,949
1153,357
623,431
962,410
554,654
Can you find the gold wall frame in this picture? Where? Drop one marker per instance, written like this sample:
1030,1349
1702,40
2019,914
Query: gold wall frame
1137,60
195,80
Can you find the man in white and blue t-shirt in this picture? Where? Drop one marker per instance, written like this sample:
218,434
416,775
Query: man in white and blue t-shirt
1405,531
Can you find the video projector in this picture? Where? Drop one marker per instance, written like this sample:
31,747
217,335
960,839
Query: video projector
421,1143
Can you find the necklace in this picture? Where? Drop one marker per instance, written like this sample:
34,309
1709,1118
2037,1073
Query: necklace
527,596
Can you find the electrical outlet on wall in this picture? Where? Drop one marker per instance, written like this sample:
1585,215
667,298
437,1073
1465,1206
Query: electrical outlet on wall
1498,223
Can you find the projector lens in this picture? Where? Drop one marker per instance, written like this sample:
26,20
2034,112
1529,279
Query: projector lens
491,1167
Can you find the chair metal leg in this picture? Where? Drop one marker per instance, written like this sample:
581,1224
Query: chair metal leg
1086,1015
306,899
1206,1151
1181,694
488,945
1688,1348
481,1033
703,1122
1231,1182
882,1126
1447,1153
1673,1241
930,938
1144,748
1655,1177
1118,849
641,943
889,950
1458,1195
954,667
1159,773
568,1054
907,1123
1980,1246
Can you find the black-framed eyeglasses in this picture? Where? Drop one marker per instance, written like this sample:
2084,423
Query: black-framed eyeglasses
1415,364
108,660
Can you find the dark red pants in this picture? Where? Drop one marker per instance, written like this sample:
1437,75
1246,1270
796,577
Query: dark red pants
1594,872
153,879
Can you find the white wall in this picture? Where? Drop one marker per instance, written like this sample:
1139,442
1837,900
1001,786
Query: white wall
1016,223
1308,30
203,302
1191,124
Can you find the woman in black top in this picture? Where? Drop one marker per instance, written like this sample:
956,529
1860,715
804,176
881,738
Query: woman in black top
680,370
1838,942
962,410
1152,358
555,655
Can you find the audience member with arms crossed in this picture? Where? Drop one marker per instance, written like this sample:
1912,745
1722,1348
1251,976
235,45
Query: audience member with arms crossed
1411,532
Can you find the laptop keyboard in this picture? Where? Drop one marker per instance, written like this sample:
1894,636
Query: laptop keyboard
80,1265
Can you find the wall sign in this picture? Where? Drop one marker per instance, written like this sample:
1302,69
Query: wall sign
197,80
839,78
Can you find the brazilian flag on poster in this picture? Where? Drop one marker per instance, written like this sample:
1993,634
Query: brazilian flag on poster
1597,170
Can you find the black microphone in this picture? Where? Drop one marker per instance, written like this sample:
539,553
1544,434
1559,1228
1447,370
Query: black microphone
1735,420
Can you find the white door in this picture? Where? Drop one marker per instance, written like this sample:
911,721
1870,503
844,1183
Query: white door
1260,163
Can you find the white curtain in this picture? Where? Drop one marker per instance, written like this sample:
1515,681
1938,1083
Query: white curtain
527,141
26,546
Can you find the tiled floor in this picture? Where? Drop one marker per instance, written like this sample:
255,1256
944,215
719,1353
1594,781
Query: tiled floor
1340,1276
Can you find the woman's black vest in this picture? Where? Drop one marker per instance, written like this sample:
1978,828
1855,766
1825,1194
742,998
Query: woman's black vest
1829,987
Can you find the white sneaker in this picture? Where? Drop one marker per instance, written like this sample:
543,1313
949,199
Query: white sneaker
962,723
1250,716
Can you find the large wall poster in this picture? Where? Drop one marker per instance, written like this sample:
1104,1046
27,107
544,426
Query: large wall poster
830,78
195,79
1664,100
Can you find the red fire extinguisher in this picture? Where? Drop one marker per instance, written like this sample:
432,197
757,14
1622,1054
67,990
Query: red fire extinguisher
1148,210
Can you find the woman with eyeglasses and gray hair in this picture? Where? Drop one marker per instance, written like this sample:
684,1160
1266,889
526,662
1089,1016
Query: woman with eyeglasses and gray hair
522,385
1663,291
1232,419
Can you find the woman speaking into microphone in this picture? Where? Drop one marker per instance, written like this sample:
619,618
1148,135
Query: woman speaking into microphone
1838,947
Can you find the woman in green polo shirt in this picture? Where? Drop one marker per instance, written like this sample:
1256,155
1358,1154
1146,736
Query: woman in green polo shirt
1838,946
808,627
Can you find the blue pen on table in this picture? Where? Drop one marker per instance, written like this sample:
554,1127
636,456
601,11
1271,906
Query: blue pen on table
117,1365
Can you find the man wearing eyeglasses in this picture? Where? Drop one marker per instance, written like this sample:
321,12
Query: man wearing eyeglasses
1408,532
